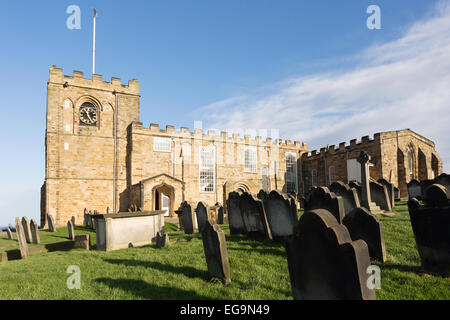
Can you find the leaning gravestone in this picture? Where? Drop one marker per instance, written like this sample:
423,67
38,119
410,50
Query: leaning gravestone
188,218
349,195
322,198
414,190
234,213
35,238
362,225
216,254
254,216
51,223
390,189
431,225
26,229
162,240
281,212
357,186
70,230
73,220
202,215
324,263
10,234
22,240
379,194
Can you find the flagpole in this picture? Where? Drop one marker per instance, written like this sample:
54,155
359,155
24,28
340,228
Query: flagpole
93,46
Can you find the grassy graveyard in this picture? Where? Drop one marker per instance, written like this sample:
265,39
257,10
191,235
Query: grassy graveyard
258,269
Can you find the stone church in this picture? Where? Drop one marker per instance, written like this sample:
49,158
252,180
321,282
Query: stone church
99,155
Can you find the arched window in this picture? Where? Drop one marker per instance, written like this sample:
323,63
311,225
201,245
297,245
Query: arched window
410,163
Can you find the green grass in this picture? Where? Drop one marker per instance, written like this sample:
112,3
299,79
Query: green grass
258,269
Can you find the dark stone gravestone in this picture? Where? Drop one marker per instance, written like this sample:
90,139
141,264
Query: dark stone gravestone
281,212
22,240
324,263
215,248
10,234
362,225
431,225
322,198
188,218
26,229
380,196
390,190
70,230
414,190
444,180
202,215
396,194
234,213
51,223
82,241
35,238
357,186
424,184
349,195
220,215
254,217
162,240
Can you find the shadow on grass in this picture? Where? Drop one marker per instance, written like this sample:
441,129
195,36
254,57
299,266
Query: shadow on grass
401,267
150,291
186,270
262,251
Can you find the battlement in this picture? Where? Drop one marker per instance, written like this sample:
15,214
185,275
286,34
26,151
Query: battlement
78,79
343,147
184,132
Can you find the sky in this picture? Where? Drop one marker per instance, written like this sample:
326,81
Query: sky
310,69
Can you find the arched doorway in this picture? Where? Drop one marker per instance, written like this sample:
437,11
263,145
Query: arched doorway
163,198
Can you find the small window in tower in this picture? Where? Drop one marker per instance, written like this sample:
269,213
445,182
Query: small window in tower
161,144
250,159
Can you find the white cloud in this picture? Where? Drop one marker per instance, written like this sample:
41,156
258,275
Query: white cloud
401,84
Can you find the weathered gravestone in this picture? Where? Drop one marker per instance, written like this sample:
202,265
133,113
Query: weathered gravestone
322,198
414,190
162,240
234,213
396,194
444,180
202,215
70,230
349,195
85,218
26,229
35,238
220,216
254,216
324,263
281,212
380,196
189,219
10,234
82,241
390,190
73,219
362,225
431,225
357,186
22,240
215,248
51,223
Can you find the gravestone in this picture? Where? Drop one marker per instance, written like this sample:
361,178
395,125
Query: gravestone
362,225
380,196
26,229
444,180
349,195
324,263
51,223
73,219
357,186
162,240
234,213
188,218
322,198
202,215
414,189
281,212
431,225
215,248
366,199
21,239
10,234
254,216
70,230
82,241
220,215
396,194
35,238
85,218
390,189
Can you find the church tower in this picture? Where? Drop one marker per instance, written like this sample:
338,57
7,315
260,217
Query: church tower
86,144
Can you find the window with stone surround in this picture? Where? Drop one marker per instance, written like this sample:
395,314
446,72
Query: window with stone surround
250,161
162,144
291,172
313,177
206,166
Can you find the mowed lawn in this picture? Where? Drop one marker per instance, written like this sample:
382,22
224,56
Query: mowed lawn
258,269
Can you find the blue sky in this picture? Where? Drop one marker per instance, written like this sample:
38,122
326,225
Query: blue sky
222,61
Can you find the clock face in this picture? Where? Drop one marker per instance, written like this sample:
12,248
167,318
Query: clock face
88,114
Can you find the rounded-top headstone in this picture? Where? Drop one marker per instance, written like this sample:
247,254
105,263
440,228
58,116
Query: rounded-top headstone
437,195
